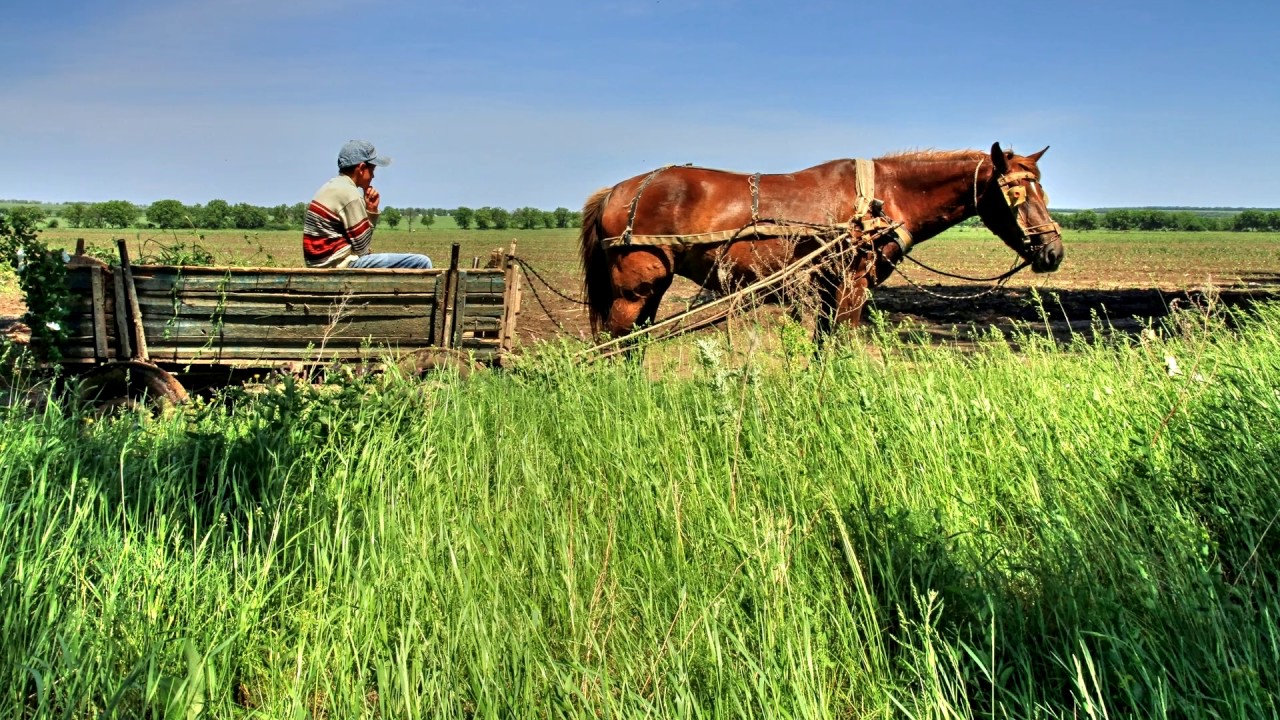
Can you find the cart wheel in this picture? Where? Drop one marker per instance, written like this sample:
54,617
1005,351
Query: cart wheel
130,384
426,360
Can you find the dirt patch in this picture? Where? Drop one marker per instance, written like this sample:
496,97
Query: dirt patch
11,312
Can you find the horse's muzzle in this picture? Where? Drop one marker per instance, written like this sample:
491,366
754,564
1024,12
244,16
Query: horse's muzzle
1049,256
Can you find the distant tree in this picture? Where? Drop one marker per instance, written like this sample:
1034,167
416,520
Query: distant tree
483,218
1084,220
548,219
280,214
501,218
428,220
562,217
1249,220
27,214
248,217
1273,221
114,213
411,214
1118,220
391,216
74,213
1156,220
216,215
167,214
463,217
527,218
298,213
1187,221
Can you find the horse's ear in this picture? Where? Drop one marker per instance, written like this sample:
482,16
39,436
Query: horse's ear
1036,157
998,160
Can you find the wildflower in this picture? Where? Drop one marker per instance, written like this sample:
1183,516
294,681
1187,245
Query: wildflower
1171,364
54,326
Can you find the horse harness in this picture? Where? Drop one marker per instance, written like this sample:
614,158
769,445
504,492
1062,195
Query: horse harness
1015,194
868,219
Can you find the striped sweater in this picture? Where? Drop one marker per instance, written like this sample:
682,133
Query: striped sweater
337,228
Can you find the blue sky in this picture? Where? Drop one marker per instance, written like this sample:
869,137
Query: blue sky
539,103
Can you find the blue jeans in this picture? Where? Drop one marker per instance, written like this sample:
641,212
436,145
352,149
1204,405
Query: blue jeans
399,261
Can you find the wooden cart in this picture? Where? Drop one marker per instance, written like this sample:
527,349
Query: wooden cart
161,330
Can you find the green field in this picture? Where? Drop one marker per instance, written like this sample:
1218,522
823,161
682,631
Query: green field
1075,531
1080,529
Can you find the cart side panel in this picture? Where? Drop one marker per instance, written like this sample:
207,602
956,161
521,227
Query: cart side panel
277,316
281,315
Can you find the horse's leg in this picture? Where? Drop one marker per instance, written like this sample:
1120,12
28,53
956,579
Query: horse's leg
639,278
841,299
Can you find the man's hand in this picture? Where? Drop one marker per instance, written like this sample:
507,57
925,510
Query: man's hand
371,200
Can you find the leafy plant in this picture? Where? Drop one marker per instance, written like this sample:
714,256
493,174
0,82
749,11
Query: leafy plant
42,275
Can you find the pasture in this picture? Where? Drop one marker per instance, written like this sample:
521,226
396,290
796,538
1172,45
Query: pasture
1074,516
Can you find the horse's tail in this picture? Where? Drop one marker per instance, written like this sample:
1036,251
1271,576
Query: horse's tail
597,284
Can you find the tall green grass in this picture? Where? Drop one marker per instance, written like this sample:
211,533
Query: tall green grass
890,531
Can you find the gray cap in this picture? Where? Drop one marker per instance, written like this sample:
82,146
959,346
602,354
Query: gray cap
360,151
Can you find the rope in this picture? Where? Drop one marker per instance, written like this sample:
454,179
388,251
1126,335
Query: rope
754,183
524,264
1000,282
1001,277
546,310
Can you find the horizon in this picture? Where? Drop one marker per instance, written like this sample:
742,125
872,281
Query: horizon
513,105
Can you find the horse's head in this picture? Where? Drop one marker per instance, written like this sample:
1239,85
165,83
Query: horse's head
1014,206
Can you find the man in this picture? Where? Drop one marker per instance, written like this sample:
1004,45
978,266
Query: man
338,228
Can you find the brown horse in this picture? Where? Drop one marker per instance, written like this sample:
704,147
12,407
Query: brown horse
723,229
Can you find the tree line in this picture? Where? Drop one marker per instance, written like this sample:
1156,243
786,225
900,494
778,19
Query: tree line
221,215
1181,220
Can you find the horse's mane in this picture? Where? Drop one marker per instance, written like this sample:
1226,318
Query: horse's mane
934,155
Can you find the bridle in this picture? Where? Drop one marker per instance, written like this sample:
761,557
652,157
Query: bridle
1015,193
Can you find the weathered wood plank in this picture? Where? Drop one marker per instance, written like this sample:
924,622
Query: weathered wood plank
287,280
257,357
156,308
417,330
480,324
488,311
125,345
459,310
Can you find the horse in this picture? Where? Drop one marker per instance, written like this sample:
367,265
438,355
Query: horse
724,229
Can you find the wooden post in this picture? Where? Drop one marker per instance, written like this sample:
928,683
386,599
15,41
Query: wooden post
510,301
80,246
135,312
459,309
444,338
99,312
124,348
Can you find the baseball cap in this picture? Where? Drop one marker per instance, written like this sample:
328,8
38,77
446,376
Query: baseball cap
360,151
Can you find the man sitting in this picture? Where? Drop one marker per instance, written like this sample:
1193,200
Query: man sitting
338,228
